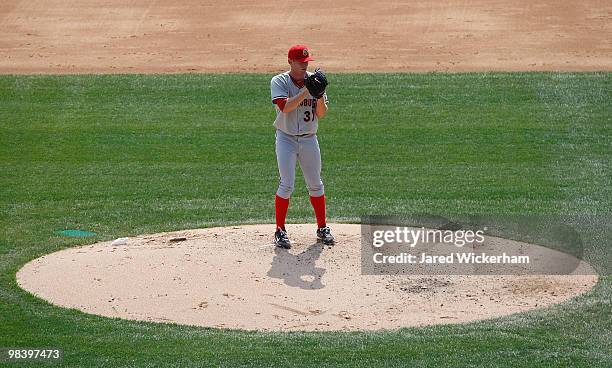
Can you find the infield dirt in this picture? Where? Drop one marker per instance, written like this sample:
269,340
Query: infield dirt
60,36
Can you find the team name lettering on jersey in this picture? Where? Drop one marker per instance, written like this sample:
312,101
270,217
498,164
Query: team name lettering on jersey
309,102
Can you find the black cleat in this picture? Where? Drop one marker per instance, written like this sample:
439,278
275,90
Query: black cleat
324,235
281,240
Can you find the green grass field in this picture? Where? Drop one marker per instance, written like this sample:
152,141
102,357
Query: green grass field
131,154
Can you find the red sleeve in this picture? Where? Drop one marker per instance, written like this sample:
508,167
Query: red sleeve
280,102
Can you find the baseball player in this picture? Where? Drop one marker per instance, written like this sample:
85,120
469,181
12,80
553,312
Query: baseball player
300,101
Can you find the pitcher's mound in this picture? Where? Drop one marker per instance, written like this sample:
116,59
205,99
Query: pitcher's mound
234,277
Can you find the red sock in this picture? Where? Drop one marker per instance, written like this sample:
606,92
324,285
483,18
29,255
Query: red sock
318,203
282,205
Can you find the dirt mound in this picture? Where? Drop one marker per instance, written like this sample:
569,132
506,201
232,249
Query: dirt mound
234,277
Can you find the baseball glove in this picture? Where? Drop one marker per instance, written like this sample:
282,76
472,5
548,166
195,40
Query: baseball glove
316,83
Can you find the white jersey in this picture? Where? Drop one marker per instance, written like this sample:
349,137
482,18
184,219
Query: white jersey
302,120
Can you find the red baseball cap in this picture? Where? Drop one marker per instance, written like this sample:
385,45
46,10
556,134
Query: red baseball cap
299,53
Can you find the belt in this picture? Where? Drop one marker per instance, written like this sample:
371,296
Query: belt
303,135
